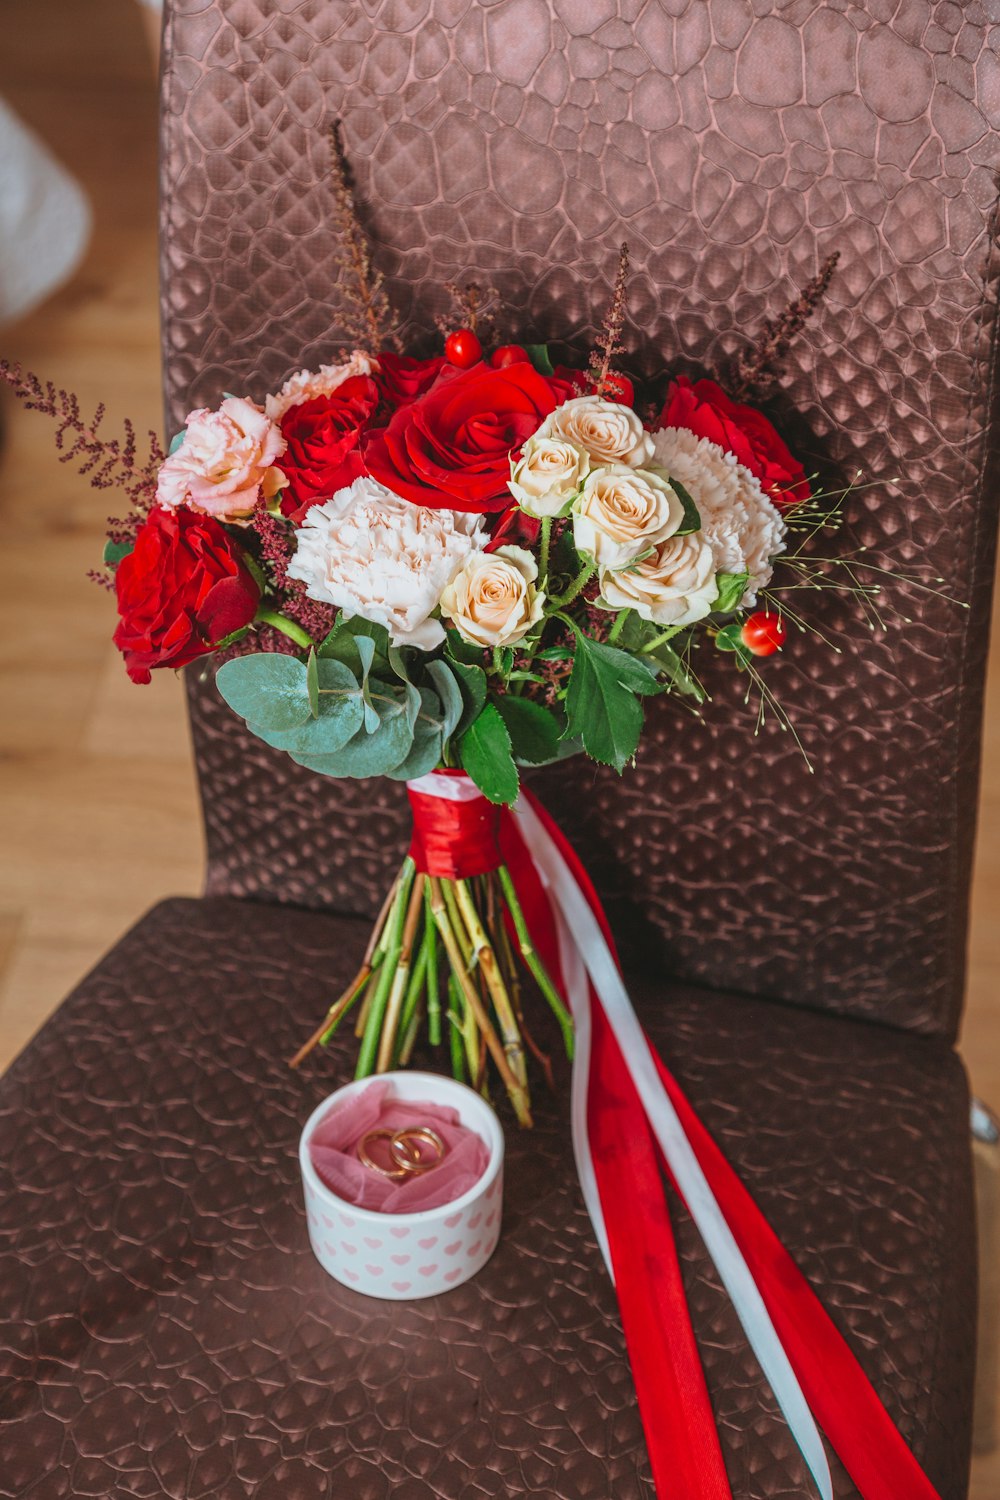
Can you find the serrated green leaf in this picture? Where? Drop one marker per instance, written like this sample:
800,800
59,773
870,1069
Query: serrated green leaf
267,689
534,730
732,587
459,649
115,551
450,694
602,708
539,356
312,683
485,753
472,681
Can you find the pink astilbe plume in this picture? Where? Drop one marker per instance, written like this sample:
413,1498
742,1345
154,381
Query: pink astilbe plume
110,463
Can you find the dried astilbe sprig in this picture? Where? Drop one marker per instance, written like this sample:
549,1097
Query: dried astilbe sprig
609,341
475,306
761,367
367,318
110,463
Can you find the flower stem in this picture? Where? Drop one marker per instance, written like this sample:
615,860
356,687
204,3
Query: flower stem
455,1029
380,995
409,1016
400,980
661,639
579,582
543,553
286,626
334,1015
433,992
618,626
531,958
490,970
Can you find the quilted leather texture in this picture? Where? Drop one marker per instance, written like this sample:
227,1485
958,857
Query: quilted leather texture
166,1332
734,144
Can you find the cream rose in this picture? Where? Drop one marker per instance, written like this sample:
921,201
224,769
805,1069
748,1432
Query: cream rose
372,554
621,512
224,462
548,475
308,384
674,585
609,432
493,600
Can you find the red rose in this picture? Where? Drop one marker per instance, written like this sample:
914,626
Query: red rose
322,437
706,410
451,449
514,528
183,589
402,380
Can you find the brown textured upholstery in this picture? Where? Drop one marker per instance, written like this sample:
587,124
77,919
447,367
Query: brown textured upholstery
522,141
165,1331
168,1332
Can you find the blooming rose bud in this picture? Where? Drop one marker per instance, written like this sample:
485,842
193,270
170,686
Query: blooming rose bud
674,585
372,554
493,600
609,432
548,475
622,512
224,462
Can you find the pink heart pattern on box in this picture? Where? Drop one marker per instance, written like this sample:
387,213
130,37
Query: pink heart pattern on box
439,1250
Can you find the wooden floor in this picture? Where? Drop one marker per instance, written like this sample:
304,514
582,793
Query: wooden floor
97,800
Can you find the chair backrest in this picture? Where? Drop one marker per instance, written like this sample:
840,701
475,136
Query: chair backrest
733,146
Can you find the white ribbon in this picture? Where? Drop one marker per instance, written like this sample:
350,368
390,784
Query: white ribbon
584,951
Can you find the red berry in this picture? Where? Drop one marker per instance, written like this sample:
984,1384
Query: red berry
509,354
463,349
763,633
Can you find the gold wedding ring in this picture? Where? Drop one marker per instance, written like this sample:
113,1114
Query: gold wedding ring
412,1151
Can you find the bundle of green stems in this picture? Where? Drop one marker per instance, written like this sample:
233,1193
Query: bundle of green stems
445,954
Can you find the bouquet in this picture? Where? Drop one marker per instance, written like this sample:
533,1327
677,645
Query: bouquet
446,568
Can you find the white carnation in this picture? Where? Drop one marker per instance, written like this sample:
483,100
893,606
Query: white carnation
372,554
742,527
308,384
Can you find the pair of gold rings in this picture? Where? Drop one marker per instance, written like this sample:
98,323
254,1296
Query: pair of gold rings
412,1151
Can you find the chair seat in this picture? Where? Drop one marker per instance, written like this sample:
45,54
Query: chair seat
165,1330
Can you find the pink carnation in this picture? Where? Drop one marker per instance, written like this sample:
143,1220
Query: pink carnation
224,462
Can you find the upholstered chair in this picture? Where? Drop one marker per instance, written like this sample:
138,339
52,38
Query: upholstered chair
794,934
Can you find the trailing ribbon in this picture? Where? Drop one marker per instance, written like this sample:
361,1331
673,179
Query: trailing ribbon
629,1116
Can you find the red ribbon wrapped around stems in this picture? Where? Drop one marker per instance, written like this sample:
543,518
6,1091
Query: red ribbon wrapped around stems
681,1434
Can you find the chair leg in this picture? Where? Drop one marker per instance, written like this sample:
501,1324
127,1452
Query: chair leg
986,1157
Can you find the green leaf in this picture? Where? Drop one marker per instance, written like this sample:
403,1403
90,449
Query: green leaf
601,703
341,715
459,649
255,570
692,520
368,754
728,638
342,645
732,587
115,551
232,638
539,356
448,690
677,675
176,441
312,683
534,731
425,752
472,681
485,753
268,689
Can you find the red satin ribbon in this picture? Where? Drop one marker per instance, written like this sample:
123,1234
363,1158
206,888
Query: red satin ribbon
681,1434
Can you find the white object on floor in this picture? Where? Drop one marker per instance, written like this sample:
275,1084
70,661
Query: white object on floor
44,219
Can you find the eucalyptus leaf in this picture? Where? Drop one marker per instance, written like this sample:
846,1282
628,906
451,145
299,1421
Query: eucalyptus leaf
485,753
425,752
342,645
268,689
312,683
534,730
176,441
450,694
368,754
341,715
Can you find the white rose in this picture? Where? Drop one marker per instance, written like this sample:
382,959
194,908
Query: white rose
372,554
548,475
493,600
622,512
308,384
674,585
742,527
609,432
